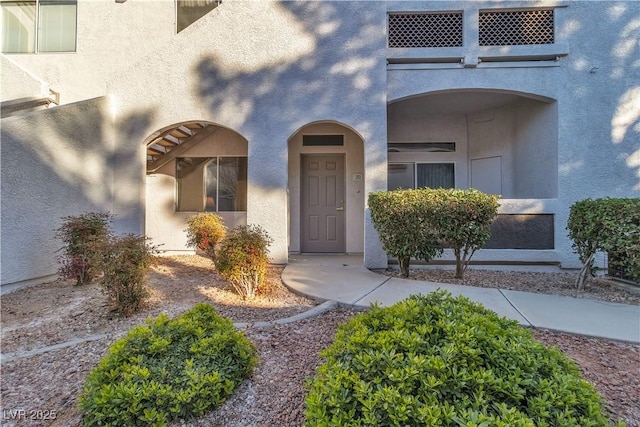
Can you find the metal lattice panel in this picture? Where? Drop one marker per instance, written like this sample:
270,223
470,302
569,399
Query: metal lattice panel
425,29
516,27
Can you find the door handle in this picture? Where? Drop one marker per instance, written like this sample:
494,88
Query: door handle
339,209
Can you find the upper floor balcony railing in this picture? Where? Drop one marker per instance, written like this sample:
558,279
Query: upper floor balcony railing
474,36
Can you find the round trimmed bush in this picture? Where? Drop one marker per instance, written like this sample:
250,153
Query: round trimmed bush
168,369
436,360
204,231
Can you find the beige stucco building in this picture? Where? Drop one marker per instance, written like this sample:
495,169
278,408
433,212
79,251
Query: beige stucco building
287,114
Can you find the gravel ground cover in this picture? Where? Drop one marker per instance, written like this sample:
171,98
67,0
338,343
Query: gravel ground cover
46,385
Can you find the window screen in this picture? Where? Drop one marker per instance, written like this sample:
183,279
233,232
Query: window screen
435,175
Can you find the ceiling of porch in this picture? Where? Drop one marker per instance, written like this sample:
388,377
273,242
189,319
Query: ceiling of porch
168,144
458,102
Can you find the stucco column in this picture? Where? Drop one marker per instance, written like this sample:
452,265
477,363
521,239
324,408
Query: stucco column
267,193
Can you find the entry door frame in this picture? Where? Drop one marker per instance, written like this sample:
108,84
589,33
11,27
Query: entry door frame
339,245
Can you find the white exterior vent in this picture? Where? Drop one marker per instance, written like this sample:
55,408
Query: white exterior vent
516,27
408,30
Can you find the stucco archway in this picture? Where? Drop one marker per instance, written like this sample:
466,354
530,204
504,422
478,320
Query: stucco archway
340,140
193,166
504,142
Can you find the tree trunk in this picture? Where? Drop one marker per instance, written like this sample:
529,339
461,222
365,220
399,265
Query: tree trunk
459,269
584,272
403,263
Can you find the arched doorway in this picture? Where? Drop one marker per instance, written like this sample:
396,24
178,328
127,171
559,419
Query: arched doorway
326,189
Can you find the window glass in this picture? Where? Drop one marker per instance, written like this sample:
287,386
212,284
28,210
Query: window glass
400,176
189,11
55,31
232,184
18,26
435,175
189,179
57,26
212,184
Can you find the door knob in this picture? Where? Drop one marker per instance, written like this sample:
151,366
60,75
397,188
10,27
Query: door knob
339,209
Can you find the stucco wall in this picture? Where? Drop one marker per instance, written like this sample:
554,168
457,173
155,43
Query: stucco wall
16,82
595,86
266,69
535,152
55,162
282,66
110,36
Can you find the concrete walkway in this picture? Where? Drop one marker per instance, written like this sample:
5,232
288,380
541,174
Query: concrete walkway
344,279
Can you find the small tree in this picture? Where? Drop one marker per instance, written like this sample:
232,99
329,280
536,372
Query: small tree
462,219
243,259
608,225
205,231
402,221
125,261
82,236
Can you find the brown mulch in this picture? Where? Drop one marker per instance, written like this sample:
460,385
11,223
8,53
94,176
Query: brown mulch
57,312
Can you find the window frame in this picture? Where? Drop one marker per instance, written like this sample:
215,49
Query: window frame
37,29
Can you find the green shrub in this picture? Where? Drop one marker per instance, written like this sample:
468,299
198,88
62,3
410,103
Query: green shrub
608,225
402,220
440,361
82,236
462,220
243,259
125,261
167,370
420,223
205,231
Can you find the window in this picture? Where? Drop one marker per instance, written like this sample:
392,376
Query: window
212,184
421,147
420,175
55,30
189,11
322,140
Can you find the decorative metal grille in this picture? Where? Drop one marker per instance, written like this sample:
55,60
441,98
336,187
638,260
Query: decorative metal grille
516,27
616,267
425,29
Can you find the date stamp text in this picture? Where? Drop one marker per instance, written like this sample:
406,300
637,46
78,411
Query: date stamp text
21,414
